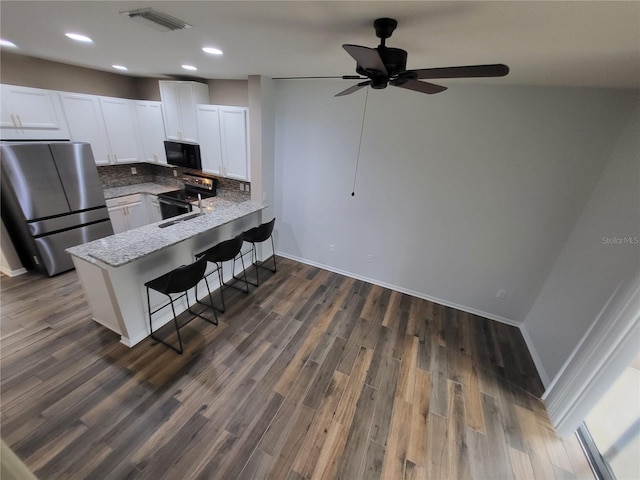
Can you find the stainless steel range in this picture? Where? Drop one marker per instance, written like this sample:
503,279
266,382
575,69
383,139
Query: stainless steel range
178,202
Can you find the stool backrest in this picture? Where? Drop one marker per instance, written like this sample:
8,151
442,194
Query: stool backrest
187,276
262,232
224,251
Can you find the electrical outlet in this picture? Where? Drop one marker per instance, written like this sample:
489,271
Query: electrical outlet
501,294
332,248
247,187
370,258
242,187
175,173
134,171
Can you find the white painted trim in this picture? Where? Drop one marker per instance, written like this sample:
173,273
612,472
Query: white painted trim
413,293
13,273
605,350
537,361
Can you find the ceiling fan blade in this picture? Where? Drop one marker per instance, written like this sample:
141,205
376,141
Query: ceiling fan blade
422,87
302,78
352,89
367,58
493,70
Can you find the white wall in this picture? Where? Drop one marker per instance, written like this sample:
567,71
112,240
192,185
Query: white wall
458,195
10,263
592,265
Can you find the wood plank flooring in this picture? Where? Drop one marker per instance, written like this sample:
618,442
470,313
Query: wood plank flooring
311,376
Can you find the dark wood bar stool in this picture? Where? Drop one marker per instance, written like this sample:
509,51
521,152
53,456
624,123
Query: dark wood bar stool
223,252
260,234
179,280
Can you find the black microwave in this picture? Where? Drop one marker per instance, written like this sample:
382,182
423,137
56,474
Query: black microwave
182,154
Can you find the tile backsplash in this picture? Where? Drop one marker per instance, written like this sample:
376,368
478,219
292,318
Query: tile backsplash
121,175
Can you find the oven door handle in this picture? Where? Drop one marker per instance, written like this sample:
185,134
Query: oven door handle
173,202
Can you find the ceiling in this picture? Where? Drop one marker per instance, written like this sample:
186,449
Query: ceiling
573,43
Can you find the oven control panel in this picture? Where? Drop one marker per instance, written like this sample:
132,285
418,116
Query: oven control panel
200,182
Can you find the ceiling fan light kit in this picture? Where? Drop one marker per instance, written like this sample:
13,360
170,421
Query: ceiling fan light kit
388,66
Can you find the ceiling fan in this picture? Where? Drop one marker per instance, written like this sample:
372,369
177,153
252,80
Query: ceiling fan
384,66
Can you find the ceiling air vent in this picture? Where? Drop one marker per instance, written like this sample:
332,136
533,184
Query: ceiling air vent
158,20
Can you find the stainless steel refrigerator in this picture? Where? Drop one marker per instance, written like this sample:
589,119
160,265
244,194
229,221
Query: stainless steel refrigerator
52,199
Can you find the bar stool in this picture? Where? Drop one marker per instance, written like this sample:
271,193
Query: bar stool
179,280
260,234
223,252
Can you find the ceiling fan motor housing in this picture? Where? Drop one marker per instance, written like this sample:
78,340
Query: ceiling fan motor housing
394,59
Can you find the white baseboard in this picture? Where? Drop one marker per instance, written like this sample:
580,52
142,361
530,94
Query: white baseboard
544,377
13,273
413,293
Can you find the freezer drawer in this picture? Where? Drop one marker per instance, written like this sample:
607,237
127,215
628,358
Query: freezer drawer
51,248
50,225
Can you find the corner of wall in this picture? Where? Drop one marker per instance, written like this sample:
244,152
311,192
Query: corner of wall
537,360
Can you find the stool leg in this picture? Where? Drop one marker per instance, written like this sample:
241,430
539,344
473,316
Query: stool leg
244,272
255,262
215,317
273,249
220,280
175,321
149,310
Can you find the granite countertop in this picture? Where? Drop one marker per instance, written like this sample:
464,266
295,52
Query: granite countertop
152,188
126,247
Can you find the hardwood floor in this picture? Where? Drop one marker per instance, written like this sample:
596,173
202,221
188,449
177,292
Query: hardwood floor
312,375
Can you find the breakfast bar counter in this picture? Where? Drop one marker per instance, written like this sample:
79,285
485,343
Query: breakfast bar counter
114,269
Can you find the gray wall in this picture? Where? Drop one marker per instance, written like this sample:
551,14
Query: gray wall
458,195
39,73
601,254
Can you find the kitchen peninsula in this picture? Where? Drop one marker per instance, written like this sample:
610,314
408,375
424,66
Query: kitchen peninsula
114,269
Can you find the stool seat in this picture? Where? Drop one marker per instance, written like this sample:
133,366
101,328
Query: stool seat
260,234
223,252
180,280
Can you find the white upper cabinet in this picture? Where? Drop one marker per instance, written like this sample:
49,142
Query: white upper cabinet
152,132
86,124
208,117
120,120
31,113
179,100
233,133
108,124
224,141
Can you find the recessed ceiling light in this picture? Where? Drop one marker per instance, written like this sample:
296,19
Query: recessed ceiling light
212,51
119,67
7,43
79,38
189,67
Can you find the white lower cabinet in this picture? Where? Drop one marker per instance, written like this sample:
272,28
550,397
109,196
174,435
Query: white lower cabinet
127,212
153,208
222,131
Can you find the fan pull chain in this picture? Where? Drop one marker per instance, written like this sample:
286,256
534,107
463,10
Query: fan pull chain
364,112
